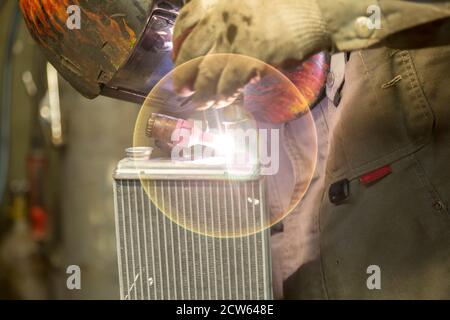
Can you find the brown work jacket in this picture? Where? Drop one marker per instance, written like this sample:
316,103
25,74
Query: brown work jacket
383,221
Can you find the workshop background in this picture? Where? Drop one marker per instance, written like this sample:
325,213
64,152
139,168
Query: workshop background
58,153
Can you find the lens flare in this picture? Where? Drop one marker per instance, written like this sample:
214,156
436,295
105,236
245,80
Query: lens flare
214,194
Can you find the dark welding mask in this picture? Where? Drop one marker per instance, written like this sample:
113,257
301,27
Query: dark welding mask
123,48
119,49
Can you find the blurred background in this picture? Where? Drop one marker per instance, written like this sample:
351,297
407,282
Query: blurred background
58,151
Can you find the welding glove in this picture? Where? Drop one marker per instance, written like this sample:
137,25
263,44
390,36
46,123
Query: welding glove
276,32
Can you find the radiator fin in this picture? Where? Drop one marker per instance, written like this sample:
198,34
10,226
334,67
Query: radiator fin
159,259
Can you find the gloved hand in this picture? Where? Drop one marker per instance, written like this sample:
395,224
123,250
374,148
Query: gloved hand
276,32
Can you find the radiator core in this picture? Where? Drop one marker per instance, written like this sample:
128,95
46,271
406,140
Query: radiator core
160,259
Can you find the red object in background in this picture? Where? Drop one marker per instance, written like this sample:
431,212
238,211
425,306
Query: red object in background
270,100
36,164
39,218
375,175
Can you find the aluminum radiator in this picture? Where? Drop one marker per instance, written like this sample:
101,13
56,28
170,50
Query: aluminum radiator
159,259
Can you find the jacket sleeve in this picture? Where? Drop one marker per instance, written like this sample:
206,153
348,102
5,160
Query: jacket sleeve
359,24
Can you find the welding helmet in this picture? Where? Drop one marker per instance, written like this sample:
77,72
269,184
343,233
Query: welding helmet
118,48
123,48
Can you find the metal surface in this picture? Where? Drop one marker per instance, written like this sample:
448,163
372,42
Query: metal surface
151,59
159,259
163,169
161,127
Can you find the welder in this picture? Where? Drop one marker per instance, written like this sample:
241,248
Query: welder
379,207
381,222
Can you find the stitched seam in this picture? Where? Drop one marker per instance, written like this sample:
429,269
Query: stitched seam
321,263
412,75
357,171
291,152
427,184
421,95
354,173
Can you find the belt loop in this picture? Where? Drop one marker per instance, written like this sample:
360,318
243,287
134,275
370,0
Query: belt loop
336,77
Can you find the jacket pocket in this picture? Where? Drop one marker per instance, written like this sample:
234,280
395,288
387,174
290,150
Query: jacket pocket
385,114
393,224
